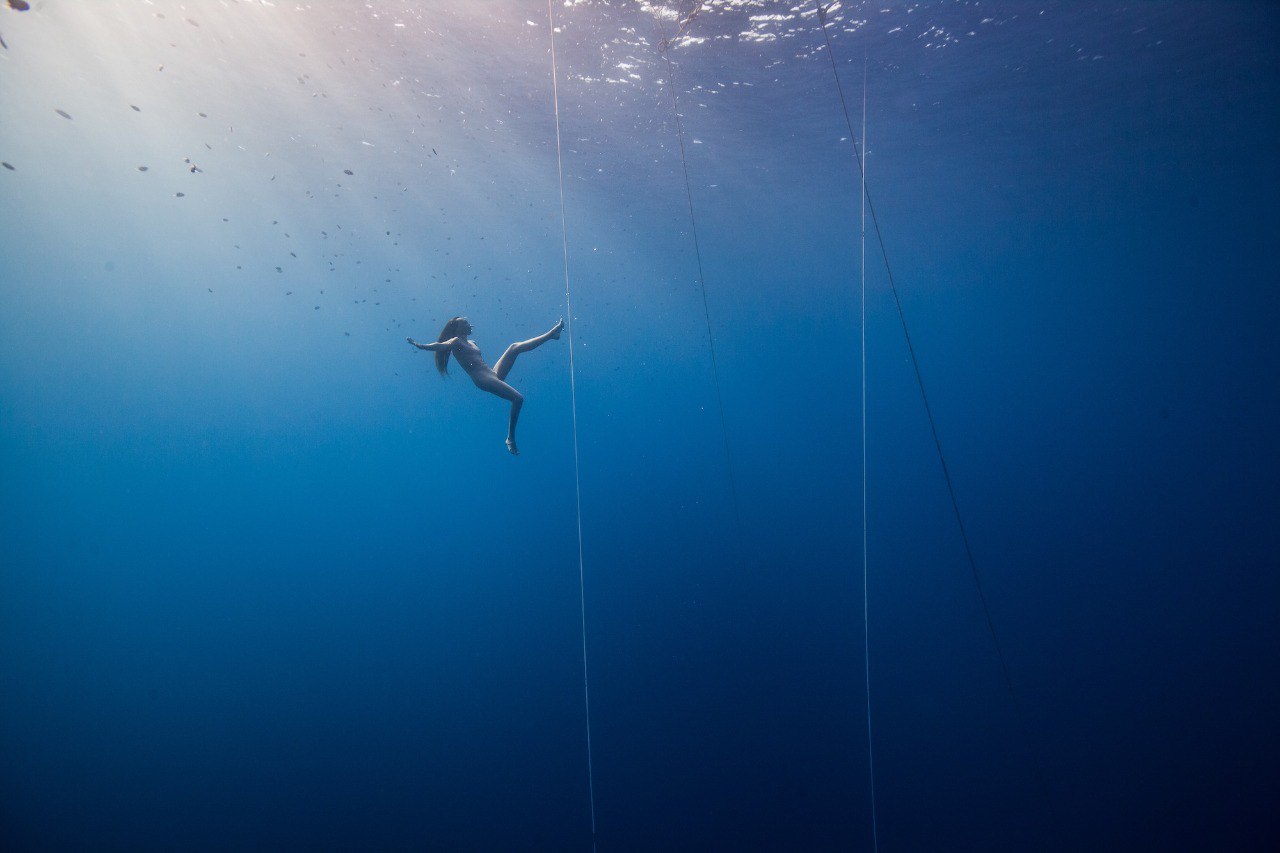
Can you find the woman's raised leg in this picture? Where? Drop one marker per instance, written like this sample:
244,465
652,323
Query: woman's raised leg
503,367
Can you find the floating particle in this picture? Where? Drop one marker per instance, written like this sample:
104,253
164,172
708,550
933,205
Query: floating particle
279,270
191,22
210,289
317,307
19,5
161,68
2,44
203,115
63,113
348,334
433,151
347,172
288,293
142,168
179,195
135,108
294,254
8,166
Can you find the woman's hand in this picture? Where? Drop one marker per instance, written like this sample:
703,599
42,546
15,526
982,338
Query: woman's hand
434,347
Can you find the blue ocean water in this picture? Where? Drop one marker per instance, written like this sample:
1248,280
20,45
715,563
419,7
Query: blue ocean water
268,582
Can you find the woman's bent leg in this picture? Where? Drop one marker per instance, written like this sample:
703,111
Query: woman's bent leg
496,386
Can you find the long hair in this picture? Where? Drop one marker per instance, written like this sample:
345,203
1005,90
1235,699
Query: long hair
450,330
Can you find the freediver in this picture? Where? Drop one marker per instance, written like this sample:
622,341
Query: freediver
454,339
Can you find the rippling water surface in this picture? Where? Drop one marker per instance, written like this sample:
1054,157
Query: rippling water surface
267,581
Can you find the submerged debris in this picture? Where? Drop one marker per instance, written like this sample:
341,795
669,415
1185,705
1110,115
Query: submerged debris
8,166
135,108
347,172
63,113
142,168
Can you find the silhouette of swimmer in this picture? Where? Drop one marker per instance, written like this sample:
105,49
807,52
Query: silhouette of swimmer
453,339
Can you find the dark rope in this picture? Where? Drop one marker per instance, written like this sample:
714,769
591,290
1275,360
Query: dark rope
663,45
933,428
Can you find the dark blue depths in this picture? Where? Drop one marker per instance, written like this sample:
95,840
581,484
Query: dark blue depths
269,582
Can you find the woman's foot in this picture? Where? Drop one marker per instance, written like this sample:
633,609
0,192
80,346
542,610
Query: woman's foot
555,330
511,446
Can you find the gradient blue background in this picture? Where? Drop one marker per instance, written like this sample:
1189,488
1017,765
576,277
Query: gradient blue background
266,581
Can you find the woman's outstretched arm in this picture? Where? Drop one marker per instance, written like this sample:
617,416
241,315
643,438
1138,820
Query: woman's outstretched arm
434,346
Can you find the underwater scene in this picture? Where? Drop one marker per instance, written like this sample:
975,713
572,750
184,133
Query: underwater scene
903,475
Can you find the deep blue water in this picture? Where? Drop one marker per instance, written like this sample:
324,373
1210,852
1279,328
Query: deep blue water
267,581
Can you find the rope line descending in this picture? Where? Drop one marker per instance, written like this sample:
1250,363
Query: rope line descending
933,426
663,46
573,400
862,340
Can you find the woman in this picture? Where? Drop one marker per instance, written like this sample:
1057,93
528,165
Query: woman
453,339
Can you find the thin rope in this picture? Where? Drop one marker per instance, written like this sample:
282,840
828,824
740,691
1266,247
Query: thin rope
573,402
862,328
933,427
663,45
